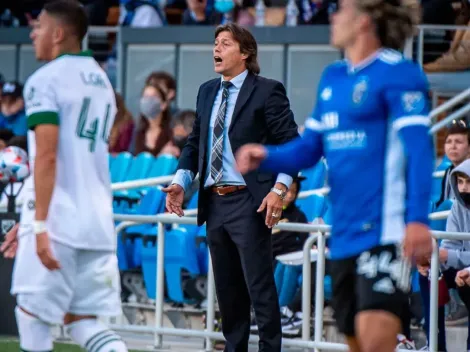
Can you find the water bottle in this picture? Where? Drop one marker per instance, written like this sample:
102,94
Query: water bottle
292,13
260,11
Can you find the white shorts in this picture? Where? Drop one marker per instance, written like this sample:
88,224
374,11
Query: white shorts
87,283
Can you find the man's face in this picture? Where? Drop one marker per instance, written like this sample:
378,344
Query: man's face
463,184
457,148
228,60
11,105
42,36
345,24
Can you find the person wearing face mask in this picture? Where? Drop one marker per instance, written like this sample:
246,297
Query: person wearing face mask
182,127
453,255
12,114
154,126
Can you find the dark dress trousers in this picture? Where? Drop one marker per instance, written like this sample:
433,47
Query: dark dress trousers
238,239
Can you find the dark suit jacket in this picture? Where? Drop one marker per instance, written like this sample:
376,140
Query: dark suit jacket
262,115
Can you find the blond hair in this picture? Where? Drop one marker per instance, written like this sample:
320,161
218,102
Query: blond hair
395,20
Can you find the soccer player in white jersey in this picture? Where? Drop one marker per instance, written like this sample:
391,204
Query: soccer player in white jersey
66,267
371,123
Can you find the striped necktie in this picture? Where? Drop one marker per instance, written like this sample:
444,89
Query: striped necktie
218,136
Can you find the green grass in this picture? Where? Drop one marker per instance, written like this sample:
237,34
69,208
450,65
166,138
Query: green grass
13,346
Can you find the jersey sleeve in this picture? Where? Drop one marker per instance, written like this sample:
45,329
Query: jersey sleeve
408,108
41,101
408,100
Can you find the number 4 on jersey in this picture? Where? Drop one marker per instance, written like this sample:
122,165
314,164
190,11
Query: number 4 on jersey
90,130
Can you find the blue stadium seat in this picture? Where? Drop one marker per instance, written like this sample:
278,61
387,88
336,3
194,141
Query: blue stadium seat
138,170
120,167
313,206
180,254
202,250
162,165
316,176
111,160
286,278
152,203
192,204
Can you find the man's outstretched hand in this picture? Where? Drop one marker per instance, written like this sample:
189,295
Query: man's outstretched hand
174,199
249,157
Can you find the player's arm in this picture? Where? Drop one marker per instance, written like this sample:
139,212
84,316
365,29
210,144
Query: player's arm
47,135
301,153
43,117
409,109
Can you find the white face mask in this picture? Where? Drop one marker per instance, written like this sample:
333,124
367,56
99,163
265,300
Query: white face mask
150,107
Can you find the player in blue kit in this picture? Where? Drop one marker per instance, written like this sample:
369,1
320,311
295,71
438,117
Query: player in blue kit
371,123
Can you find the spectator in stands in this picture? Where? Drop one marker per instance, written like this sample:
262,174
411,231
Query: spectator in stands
5,136
12,114
457,149
123,128
453,255
315,11
182,127
141,14
198,13
167,84
154,126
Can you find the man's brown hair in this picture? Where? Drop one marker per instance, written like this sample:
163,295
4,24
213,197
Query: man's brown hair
247,43
459,127
395,20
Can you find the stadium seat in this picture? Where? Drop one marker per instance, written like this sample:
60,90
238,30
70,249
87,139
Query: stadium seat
202,250
192,204
180,254
162,165
120,167
286,278
152,203
139,169
315,176
313,206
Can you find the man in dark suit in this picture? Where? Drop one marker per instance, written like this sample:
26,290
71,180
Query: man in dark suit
239,108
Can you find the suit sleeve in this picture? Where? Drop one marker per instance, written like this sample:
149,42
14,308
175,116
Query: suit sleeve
190,154
279,117
408,107
301,152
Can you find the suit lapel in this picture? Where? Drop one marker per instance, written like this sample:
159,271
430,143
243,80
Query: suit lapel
245,93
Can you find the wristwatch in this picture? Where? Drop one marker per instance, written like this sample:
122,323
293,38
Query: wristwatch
282,194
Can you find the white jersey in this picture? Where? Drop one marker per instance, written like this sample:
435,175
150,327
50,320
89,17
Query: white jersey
75,93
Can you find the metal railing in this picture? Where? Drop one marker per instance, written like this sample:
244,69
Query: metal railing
320,237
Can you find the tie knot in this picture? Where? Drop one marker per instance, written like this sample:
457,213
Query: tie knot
226,84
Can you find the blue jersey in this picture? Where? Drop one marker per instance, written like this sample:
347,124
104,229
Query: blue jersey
371,123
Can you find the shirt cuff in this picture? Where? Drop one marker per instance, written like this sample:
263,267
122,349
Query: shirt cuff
452,259
184,178
286,180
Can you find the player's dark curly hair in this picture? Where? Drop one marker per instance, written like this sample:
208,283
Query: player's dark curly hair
395,20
